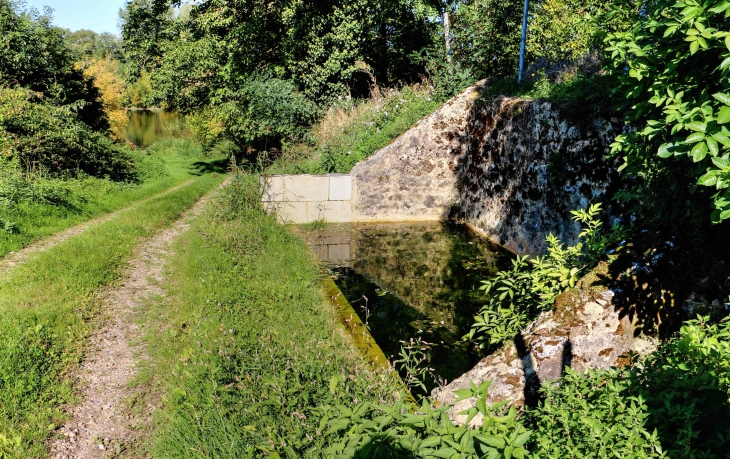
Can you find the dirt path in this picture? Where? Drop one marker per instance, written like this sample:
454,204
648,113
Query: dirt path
100,425
15,258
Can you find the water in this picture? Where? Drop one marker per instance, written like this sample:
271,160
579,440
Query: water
146,127
409,280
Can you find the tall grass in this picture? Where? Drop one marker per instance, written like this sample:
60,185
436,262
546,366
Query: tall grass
353,131
250,351
46,311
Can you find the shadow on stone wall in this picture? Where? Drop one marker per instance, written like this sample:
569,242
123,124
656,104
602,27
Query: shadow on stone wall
524,168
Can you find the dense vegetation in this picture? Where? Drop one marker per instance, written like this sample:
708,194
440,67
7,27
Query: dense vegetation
252,362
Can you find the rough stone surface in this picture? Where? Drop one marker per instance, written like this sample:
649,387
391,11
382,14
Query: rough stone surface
413,178
583,331
512,169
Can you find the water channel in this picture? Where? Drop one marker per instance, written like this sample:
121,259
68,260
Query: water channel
409,280
146,127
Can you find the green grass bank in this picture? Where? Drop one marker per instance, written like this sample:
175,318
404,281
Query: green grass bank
251,352
39,207
48,307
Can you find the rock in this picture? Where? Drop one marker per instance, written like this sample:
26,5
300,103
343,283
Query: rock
583,331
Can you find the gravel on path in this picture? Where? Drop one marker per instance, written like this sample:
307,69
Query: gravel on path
13,259
101,426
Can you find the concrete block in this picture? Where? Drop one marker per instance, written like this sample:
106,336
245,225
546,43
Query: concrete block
340,188
293,212
339,252
321,251
330,211
300,188
272,188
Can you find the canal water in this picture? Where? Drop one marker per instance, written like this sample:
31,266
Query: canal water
413,280
146,127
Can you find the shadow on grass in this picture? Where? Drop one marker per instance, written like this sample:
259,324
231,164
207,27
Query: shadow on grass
219,166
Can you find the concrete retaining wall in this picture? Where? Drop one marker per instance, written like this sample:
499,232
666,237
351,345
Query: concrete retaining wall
307,198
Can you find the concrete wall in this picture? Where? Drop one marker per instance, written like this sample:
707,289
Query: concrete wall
307,198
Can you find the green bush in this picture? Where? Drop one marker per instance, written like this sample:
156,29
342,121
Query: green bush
673,65
43,138
517,296
593,415
686,389
403,431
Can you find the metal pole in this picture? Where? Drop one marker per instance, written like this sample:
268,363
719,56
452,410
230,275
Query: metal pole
524,38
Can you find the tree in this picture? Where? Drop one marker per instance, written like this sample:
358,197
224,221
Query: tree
674,66
34,55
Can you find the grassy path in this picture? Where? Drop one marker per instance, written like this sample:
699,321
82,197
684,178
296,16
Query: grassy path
245,353
15,258
51,304
100,425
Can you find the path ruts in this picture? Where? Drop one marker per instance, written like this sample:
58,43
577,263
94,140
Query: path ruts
100,425
13,259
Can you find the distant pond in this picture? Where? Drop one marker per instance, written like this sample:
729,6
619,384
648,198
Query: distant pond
413,279
146,127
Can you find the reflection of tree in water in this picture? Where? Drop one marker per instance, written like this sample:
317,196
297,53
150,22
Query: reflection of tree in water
148,126
420,279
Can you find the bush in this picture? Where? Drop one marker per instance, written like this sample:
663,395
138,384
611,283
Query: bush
515,297
402,431
686,388
40,137
353,131
593,415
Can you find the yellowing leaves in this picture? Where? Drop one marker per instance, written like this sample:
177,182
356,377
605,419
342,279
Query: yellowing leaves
105,73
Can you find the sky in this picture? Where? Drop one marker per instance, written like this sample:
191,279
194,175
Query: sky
97,15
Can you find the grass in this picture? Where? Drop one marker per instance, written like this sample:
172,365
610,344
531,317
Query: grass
47,307
165,165
250,353
579,98
354,131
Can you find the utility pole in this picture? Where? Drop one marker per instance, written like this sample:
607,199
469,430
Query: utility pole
524,39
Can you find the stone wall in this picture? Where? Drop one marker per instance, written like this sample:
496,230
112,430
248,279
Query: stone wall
512,169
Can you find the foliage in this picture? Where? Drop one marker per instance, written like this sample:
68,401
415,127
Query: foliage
353,131
686,387
34,55
403,431
517,296
593,415
89,45
105,73
50,138
413,362
487,37
673,65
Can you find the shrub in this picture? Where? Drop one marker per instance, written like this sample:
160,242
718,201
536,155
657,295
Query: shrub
593,415
44,137
673,65
686,388
402,431
517,296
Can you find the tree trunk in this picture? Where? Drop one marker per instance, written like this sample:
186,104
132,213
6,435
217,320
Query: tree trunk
447,33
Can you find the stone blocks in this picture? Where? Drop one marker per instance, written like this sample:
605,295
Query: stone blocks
306,198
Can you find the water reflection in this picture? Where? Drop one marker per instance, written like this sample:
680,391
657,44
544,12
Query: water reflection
146,127
413,279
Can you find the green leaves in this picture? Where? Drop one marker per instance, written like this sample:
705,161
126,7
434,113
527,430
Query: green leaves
672,86
427,432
